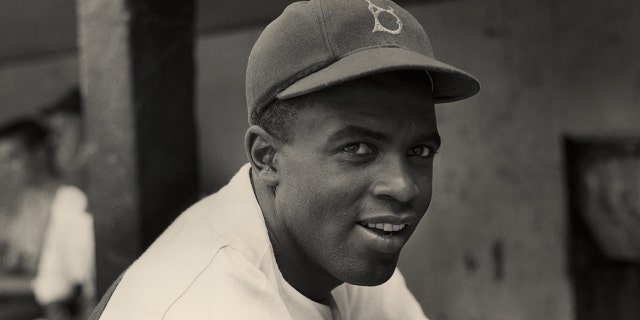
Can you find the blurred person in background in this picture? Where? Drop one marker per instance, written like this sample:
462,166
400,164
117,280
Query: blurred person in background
46,233
64,121
64,284
27,189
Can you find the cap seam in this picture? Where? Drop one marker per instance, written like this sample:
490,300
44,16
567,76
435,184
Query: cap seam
324,31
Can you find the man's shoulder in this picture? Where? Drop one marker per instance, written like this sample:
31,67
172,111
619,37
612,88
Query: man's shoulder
219,236
199,279
230,217
167,268
228,284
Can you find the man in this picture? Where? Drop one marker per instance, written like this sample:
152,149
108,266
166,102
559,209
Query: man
25,193
64,283
27,186
63,118
343,132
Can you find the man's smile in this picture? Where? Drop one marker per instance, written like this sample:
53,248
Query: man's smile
390,242
388,228
385,233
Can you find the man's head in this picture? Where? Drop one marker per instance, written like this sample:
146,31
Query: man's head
354,178
24,152
64,120
341,100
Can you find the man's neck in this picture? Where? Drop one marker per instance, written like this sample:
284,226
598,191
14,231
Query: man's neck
307,277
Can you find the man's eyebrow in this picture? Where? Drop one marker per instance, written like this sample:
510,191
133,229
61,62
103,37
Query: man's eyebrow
433,137
351,131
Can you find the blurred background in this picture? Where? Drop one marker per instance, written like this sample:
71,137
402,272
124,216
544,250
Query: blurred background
535,213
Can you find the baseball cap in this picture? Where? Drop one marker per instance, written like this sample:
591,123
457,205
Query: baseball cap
320,43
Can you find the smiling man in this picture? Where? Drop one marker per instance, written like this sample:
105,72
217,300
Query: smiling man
342,137
344,188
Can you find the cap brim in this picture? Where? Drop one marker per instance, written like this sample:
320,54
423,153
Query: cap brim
449,83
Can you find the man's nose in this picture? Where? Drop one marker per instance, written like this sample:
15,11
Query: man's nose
395,181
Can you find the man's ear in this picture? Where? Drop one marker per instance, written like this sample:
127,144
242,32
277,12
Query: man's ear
261,148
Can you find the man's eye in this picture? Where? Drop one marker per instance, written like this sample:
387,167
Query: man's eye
358,149
420,151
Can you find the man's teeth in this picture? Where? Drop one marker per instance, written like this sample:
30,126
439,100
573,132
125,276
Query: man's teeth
386,226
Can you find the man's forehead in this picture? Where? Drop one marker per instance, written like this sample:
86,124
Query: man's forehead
376,108
377,133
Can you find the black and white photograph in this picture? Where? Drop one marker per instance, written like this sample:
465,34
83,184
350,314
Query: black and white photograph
319,160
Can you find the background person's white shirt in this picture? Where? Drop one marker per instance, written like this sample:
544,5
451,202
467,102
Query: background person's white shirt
67,259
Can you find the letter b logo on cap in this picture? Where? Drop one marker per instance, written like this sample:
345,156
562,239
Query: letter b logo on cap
376,10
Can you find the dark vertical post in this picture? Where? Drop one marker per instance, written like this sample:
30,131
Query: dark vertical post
137,79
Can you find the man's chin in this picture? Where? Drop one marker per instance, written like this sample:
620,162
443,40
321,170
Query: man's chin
373,276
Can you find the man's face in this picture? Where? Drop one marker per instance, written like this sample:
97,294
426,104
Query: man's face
14,160
65,135
356,178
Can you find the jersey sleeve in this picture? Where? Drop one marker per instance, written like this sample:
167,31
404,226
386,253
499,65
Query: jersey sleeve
228,287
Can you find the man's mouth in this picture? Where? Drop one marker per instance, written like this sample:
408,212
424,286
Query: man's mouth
384,229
